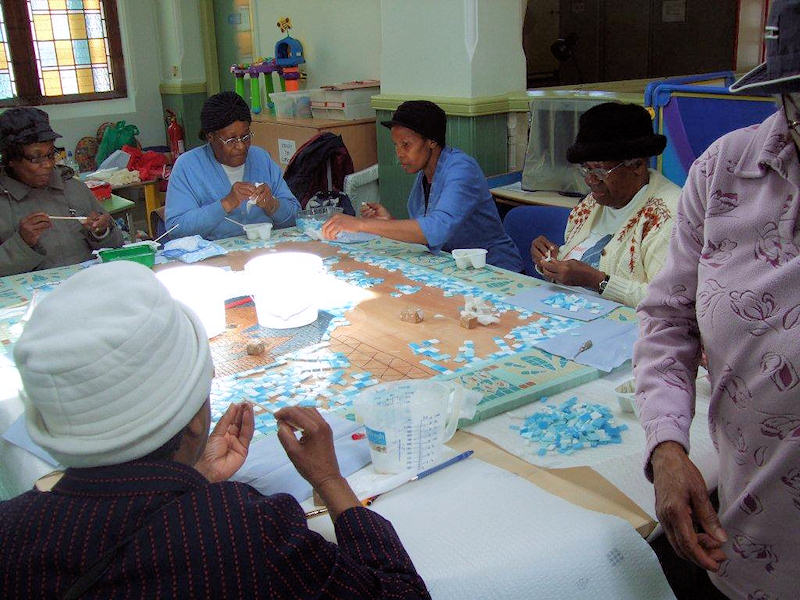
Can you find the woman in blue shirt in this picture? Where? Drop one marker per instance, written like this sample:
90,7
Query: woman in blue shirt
450,205
227,177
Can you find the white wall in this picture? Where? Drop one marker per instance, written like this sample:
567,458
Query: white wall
459,48
341,39
138,24
181,47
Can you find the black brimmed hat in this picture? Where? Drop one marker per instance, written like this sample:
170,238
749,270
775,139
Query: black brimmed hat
780,73
422,116
613,131
25,125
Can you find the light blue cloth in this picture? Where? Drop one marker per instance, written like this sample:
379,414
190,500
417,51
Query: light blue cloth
532,299
198,183
461,212
191,249
612,343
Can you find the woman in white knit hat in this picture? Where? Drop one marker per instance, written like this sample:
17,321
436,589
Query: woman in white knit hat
116,378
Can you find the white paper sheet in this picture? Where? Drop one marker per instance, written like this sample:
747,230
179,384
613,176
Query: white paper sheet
476,531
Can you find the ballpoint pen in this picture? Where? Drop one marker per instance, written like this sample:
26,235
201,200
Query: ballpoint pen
367,501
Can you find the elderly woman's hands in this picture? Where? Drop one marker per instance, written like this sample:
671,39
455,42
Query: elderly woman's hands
242,191
572,272
314,457
32,227
543,250
97,223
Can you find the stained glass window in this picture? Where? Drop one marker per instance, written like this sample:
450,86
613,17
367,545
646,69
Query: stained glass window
8,88
70,39
73,51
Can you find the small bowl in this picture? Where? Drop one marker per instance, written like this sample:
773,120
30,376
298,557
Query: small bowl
310,221
626,396
470,257
258,231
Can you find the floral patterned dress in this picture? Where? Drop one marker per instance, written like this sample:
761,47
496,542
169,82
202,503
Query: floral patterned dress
732,282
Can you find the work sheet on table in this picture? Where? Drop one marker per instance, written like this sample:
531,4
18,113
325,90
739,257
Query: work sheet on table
619,463
474,530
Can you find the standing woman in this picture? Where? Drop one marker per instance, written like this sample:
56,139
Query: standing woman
33,189
731,283
450,205
218,179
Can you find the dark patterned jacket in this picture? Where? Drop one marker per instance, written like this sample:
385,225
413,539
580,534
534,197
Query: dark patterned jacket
191,539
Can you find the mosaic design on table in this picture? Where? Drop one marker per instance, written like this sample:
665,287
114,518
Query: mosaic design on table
517,374
20,288
572,303
229,349
570,427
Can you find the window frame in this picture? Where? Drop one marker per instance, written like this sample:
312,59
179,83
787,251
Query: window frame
23,61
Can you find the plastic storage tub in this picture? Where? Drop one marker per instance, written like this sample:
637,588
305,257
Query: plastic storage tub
143,253
293,104
343,104
310,221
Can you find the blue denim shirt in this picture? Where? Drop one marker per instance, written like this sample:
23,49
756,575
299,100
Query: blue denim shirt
461,212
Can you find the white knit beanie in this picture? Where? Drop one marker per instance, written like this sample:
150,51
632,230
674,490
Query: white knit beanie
112,367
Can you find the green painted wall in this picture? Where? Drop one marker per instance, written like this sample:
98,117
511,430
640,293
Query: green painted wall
187,108
482,137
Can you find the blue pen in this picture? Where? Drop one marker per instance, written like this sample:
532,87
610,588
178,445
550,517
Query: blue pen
441,466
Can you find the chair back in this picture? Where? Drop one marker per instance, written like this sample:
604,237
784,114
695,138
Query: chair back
523,224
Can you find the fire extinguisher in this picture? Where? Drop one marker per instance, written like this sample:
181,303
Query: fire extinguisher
175,135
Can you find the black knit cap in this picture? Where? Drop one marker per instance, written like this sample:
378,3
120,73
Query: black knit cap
422,116
220,110
613,131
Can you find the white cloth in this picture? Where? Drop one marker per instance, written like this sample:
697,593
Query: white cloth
112,367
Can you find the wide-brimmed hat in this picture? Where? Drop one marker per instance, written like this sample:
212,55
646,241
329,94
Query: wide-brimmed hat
613,131
422,116
25,125
112,367
780,72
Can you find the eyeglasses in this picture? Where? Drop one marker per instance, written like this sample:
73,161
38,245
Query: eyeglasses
42,158
599,173
230,142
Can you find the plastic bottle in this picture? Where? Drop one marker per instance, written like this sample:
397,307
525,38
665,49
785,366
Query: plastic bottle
71,162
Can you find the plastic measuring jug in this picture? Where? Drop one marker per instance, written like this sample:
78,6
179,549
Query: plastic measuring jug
285,288
407,422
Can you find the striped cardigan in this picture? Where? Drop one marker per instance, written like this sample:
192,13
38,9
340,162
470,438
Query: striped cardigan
192,539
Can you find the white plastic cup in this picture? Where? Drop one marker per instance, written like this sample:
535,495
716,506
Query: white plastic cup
470,257
251,230
285,290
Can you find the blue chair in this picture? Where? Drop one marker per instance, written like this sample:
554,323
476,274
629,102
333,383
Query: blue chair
525,223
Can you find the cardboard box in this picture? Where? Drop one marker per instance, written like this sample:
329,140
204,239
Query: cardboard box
282,136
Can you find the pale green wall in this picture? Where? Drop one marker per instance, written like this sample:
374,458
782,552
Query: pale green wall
180,42
138,23
341,40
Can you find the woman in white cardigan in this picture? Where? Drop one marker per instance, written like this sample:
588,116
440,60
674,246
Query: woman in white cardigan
617,236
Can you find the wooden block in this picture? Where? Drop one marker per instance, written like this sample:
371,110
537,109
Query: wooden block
468,322
412,315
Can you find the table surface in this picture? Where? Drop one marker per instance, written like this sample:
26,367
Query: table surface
514,194
377,347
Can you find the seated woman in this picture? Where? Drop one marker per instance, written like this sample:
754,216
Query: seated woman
34,190
617,237
450,204
227,177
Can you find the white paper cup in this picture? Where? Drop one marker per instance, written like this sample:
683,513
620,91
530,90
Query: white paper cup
264,230
251,230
